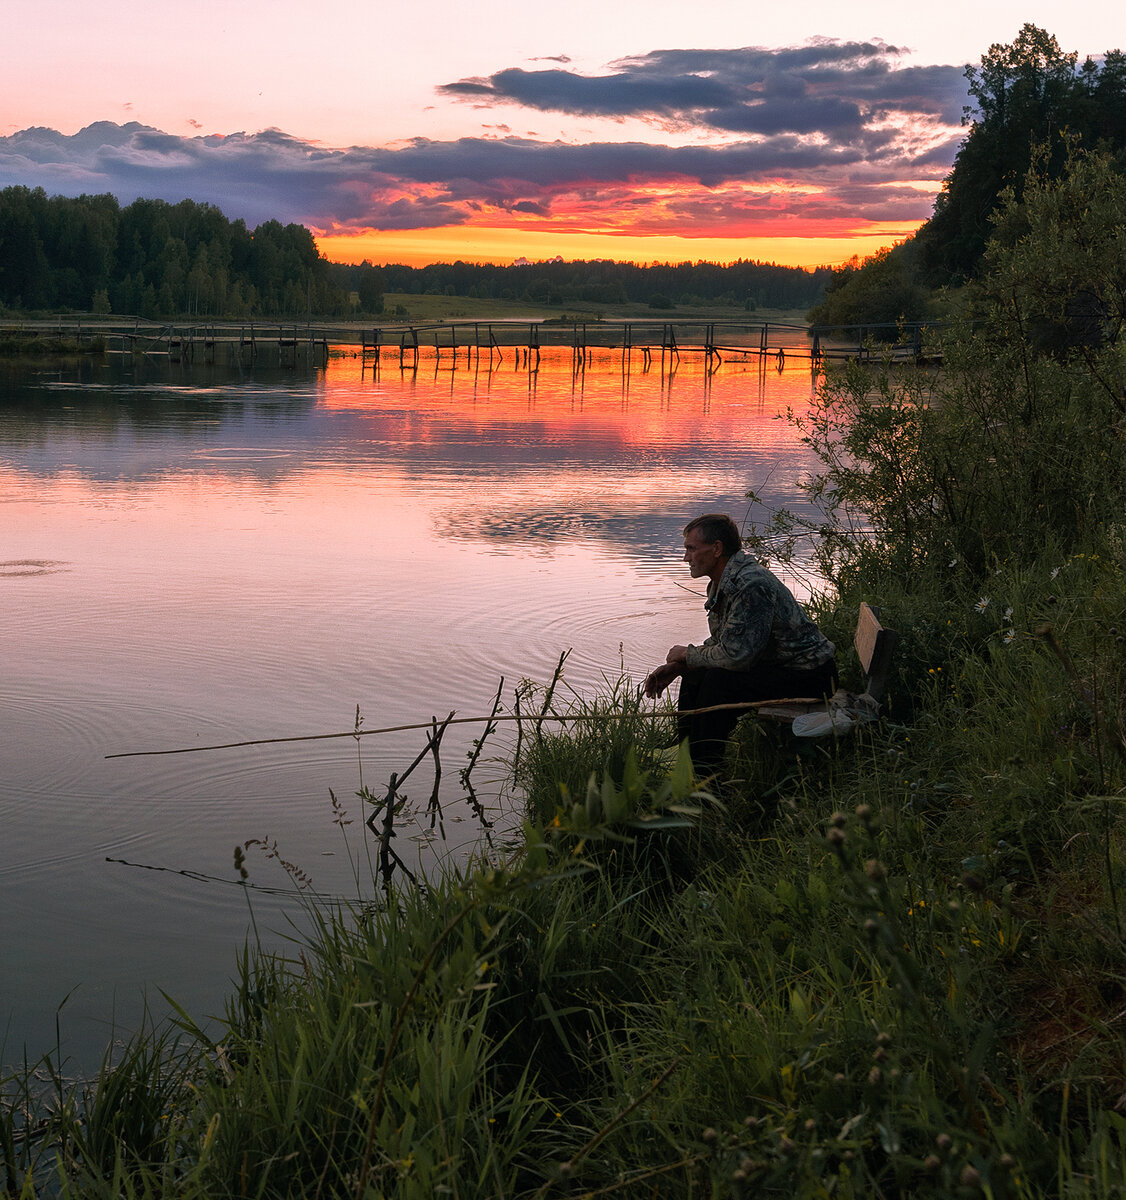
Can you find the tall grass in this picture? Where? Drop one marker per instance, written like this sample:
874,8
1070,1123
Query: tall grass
613,724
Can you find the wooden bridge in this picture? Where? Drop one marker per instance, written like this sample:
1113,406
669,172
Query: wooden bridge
290,344
184,342
452,342
768,342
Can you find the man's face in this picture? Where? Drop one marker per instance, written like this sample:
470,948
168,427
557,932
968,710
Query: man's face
701,556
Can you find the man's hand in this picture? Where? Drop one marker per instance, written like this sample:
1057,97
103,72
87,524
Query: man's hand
660,677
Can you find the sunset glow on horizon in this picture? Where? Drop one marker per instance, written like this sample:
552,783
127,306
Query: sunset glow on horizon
444,131
502,247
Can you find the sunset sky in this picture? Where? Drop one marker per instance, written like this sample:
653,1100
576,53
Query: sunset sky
489,131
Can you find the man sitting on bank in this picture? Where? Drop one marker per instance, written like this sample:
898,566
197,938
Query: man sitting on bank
762,645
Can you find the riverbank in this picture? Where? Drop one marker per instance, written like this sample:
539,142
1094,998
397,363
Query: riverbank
886,966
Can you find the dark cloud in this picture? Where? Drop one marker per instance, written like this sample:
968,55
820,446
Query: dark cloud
529,206
424,183
830,127
837,88
592,95
501,162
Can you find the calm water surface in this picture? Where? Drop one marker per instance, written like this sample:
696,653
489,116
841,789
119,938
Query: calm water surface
191,556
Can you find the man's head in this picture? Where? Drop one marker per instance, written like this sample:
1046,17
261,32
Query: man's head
709,541
717,527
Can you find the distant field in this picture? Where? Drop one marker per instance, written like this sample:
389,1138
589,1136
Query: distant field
460,308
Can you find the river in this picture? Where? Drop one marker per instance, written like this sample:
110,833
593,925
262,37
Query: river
193,555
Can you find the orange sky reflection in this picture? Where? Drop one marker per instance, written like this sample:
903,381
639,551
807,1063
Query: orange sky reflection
641,407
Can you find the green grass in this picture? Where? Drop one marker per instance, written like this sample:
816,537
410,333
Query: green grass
424,309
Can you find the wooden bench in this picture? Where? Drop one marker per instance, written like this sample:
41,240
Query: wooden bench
844,710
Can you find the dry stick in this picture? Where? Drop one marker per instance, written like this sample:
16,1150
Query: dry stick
421,754
386,866
398,862
519,730
550,693
388,858
478,746
435,805
387,832
744,705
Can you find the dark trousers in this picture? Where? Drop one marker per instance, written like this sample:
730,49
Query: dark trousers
707,733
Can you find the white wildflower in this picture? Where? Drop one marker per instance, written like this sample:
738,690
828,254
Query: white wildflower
1055,572
982,604
1008,613
1008,636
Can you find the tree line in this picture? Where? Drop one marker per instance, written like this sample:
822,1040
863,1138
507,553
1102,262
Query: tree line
745,283
156,259
1033,105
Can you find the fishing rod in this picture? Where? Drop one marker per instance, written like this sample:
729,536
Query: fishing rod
520,717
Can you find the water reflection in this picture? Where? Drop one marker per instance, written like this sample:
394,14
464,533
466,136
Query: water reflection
195,556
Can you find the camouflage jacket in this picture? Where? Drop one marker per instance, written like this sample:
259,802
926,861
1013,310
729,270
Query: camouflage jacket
754,619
